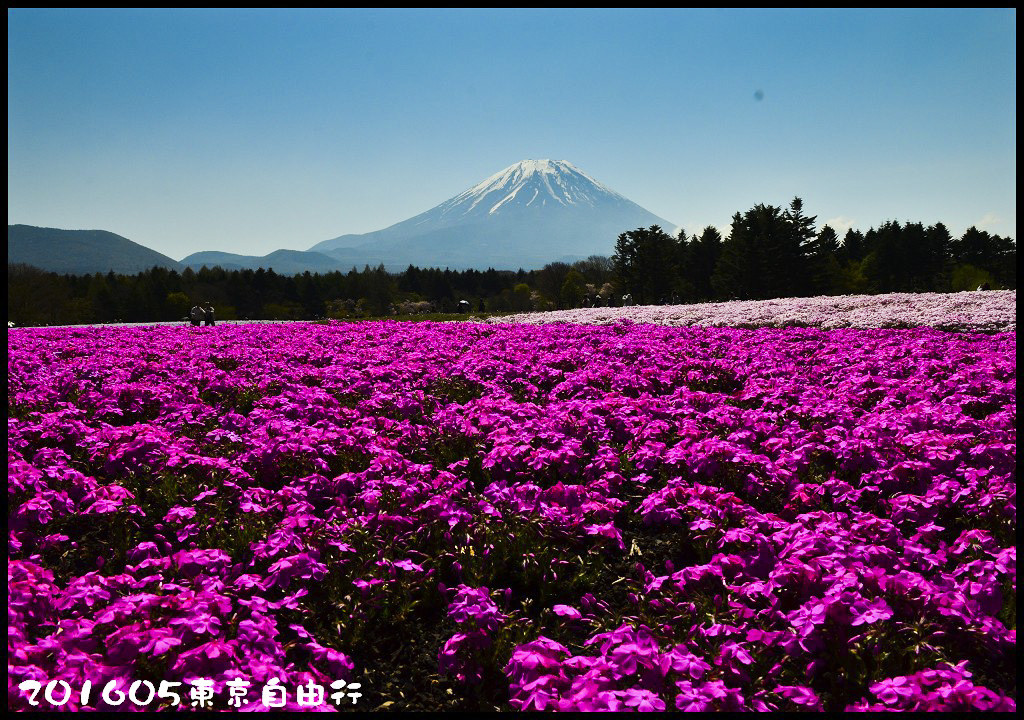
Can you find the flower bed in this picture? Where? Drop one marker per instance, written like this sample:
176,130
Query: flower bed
988,311
465,516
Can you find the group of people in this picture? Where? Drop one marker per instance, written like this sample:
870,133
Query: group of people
200,314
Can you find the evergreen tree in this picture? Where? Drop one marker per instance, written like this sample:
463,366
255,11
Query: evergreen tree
1004,268
685,291
802,227
823,263
973,248
937,260
702,258
991,254
380,291
762,257
852,249
737,270
645,264
786,253
309,295
887,264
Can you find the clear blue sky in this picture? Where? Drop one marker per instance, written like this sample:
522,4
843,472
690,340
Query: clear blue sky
252,130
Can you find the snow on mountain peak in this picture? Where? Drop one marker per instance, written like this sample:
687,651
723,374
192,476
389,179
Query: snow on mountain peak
527,215
531,182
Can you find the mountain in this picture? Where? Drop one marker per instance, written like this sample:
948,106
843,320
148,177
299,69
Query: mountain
527,215
283,262
80,252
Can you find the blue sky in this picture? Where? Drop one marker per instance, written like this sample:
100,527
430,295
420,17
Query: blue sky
252,130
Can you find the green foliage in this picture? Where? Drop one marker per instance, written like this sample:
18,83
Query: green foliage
968,277
646,262
823,263
573,290
521,298
763,256
282,311
178,304
852,280
550,279
699,258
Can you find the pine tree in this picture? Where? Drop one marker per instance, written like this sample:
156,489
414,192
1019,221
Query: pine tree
787,253
762,258
823,263
937,261
702,257
738,270
646,264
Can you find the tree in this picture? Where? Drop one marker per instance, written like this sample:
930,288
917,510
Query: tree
852,247
1005,267
973,248
550,279
701,258
887,262
521,298
573,290
968,277
309,295
645,263
823,263
176,305
380,291
991,253
596,269
937,260
786,256
762,257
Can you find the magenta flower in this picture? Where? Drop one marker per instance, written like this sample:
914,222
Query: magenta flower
892,690
567,611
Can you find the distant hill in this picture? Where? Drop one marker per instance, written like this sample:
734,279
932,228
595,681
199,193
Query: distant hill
283,262
529,214
526,216
81,252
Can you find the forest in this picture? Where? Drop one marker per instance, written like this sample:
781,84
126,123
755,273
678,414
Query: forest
770,252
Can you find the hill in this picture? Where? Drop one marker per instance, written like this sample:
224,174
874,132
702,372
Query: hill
80,252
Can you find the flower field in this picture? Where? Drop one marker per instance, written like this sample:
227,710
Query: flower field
515,517
988,311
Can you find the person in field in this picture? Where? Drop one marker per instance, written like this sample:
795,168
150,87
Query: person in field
208,314
196,315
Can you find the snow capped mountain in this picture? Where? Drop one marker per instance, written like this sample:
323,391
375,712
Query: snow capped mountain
529,214
528,182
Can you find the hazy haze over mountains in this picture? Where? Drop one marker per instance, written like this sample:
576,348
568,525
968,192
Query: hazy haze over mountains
80,252
527,215
284,262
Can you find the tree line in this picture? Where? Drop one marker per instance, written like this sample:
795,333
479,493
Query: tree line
775,252
770,252
39,297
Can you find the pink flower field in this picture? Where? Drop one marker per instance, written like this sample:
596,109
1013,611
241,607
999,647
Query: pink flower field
987,311
427,516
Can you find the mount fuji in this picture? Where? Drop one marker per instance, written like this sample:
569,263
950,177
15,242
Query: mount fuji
527,215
